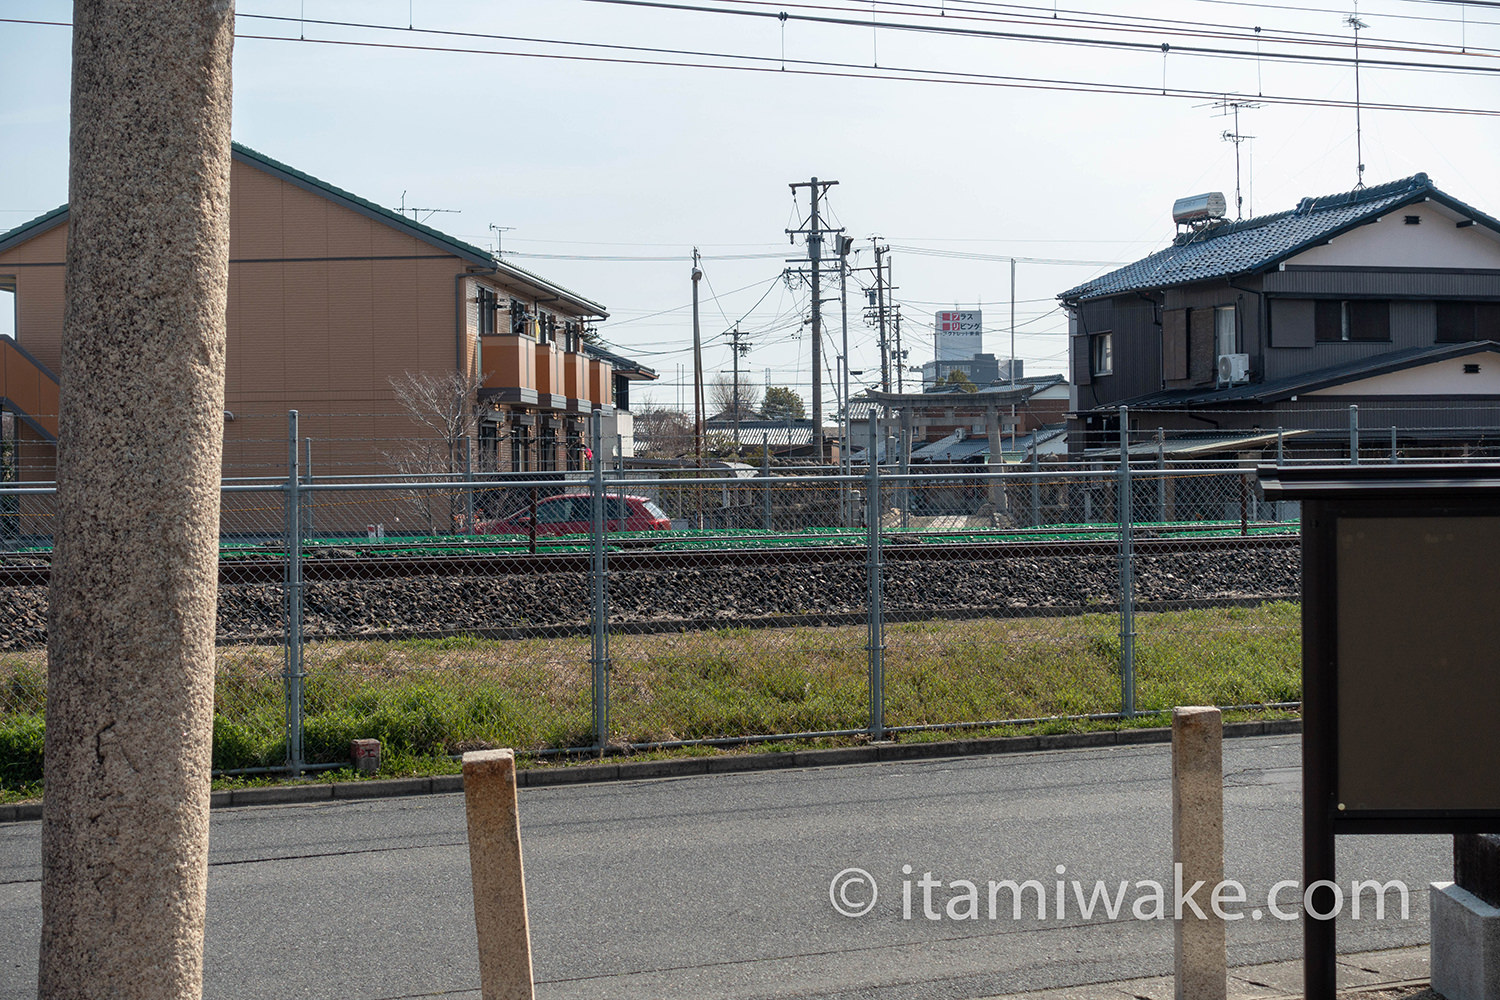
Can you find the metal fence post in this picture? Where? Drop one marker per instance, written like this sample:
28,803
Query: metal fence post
1161,475
1127,573
307,479
599,617
468,490
1280,445
1394,456
1353,434
765,471
873,599
1036,485
294,674
903,490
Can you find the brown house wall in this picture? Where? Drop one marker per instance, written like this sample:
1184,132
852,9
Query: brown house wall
325,306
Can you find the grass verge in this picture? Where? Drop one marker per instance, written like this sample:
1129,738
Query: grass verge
427,700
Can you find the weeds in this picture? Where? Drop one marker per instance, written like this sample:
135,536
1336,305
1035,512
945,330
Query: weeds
429,699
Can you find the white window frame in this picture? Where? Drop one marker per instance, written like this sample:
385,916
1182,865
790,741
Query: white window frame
1226,331
1102,354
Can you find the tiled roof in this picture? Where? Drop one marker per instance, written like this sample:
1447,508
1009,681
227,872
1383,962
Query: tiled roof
35,227
1225,249
622,364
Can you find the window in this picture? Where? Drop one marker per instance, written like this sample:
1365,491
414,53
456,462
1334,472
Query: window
575,451
7,312
1226,335
1174,344
546,459
1101,354
558,511
1352,320
520,448
489,302
520,320
489,446
1458,322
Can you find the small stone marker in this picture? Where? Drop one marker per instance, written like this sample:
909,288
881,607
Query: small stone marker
1198,847
497,874
366,756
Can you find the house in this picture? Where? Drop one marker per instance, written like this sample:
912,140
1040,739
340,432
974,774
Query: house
1386,298
333,300
950,425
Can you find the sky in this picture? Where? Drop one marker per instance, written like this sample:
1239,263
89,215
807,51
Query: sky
599,141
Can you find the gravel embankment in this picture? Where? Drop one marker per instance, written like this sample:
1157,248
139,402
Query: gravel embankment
728,596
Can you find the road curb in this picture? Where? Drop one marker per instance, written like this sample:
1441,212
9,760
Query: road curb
580,774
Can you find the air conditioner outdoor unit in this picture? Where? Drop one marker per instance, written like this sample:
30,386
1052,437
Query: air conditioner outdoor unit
1234,369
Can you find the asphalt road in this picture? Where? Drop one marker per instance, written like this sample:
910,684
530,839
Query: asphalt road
718,886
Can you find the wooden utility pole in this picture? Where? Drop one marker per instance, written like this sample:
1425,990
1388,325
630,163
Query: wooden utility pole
133,597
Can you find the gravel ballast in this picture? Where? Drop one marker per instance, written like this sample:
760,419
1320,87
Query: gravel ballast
645,600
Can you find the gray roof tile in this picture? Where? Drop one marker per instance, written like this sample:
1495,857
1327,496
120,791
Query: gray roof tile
1225,249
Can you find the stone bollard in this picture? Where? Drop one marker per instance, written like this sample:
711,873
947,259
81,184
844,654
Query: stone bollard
498,876
365,755
1198,850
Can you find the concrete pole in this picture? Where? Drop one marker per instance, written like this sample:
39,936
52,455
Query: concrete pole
497,875
130,686
997,458
1198,850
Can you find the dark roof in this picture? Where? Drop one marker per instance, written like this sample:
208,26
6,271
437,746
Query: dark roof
1321,378
1225,249
623,365
449,244
35,227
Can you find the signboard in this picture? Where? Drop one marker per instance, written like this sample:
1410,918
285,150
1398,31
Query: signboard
959,334
1417,642
1400,661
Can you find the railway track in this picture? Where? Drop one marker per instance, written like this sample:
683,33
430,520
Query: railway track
326,565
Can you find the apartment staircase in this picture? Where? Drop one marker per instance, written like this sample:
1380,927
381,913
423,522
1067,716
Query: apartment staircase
28,389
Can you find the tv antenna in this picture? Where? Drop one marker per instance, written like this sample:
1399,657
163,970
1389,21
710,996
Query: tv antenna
403,208
1357,25
500,232
1232,106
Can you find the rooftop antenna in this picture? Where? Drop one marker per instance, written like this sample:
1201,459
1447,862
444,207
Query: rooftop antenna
403,208
1357,25
1232,106
500,232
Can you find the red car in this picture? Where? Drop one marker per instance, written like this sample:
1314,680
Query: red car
572,514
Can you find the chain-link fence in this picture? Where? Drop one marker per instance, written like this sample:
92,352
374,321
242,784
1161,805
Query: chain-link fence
622,607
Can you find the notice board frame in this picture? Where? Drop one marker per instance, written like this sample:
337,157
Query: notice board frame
1332,496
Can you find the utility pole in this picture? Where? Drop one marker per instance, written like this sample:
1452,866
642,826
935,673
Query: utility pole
697,365
1012,366
897,360
885,361
814,232
845,245
737,350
